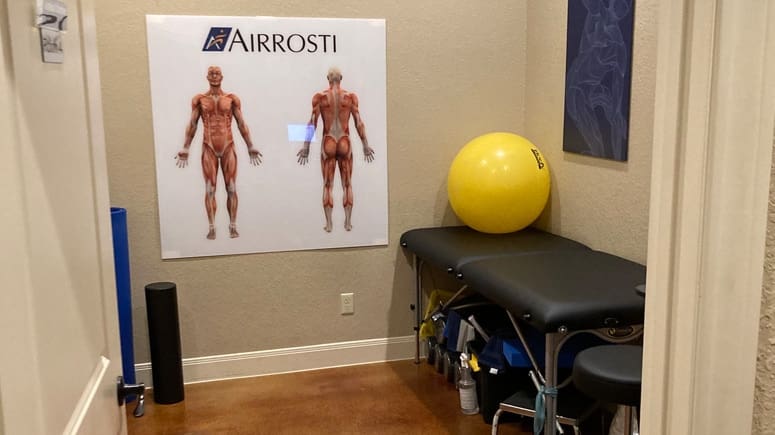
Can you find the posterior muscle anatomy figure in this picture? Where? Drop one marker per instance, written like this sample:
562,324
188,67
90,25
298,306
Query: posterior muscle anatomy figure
216,108
335,105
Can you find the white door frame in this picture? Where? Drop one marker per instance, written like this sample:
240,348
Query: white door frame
16,337
85,375
713,139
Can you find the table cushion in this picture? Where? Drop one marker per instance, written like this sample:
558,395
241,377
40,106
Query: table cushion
449,248
577,289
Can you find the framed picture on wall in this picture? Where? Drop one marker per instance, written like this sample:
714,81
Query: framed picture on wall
255,119
597,78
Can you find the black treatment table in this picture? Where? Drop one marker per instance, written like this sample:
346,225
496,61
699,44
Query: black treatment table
558,286
449,248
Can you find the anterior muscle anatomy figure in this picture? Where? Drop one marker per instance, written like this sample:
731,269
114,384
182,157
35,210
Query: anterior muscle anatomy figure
216,108
335,105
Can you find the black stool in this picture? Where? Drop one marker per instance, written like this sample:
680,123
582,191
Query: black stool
611,373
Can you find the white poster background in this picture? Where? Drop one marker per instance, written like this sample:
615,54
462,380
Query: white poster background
280,201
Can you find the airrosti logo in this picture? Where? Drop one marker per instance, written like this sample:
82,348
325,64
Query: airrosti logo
216,39
231,39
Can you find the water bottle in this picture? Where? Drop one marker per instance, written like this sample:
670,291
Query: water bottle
469,404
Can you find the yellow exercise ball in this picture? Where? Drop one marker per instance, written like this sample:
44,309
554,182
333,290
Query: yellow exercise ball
498,183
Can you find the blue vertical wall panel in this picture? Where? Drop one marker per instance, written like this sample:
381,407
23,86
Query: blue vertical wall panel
598,73
123,291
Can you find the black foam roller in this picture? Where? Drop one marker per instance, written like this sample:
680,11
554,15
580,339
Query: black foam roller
161,300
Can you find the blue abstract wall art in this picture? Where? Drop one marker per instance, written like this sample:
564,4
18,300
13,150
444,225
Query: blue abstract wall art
597,78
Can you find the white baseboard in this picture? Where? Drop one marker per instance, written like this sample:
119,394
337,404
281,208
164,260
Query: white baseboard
292,359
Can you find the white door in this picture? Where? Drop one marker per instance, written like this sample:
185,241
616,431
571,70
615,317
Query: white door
59,351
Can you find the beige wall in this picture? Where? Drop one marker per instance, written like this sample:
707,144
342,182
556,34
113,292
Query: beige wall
764,397
455,70
602,203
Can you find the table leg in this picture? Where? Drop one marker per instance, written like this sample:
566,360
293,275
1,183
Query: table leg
417,306
550,373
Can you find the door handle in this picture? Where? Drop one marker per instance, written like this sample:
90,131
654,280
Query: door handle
123,390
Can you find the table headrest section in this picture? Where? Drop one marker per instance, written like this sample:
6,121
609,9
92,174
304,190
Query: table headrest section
449,248
578,289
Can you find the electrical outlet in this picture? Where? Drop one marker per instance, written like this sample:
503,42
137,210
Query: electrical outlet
348,306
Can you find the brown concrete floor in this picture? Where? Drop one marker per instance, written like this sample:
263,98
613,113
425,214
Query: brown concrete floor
398,397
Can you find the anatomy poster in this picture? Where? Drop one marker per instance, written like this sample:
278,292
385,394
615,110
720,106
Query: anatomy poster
597,79
270,133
